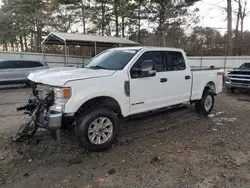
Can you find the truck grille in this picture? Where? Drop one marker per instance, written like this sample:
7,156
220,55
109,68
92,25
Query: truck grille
240,82
240,77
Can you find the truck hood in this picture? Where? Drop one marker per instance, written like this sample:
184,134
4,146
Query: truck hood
240,71
59,76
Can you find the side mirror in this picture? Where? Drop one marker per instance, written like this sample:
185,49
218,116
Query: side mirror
147,69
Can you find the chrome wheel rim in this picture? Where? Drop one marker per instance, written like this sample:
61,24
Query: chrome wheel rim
100,130
208,103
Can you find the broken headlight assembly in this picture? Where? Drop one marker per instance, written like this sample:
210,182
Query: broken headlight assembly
55,97
45,107
61,96
42,91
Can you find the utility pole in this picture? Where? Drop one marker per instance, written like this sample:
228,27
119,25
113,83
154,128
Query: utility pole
229,27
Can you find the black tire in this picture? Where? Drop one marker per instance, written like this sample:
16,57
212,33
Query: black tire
68,123
200,104
232,90
83,123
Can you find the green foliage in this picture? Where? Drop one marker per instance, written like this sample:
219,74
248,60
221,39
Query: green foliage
6,34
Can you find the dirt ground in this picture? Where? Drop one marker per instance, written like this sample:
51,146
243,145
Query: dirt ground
168,149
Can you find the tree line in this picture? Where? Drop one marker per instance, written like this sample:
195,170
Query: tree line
24,23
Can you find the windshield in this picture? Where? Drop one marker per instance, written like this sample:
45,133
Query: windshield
112,59
245,66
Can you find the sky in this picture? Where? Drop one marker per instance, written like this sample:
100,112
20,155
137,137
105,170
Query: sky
213,14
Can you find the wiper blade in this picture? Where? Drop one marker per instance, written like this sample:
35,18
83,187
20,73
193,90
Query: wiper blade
97,67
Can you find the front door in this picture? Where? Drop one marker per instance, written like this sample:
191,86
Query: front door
148,93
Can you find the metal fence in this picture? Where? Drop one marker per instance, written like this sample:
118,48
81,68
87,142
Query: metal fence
219,61
55,60
225,62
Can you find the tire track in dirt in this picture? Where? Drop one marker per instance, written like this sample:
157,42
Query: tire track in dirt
160,123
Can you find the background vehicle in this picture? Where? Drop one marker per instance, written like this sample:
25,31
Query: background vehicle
239,78
115,84
17,71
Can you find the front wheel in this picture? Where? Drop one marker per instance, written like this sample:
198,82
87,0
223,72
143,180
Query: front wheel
97,129
206,104
232,90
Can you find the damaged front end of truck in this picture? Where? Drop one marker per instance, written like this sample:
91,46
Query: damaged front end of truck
44,108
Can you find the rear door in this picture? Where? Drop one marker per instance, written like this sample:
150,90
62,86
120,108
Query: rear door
12,71
179,78
25,67
19,70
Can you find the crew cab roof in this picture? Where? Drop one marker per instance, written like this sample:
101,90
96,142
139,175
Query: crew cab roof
150,48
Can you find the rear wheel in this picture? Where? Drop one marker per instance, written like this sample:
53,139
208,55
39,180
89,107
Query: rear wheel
206,104
97,129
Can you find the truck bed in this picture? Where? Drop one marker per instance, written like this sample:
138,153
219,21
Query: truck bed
203,76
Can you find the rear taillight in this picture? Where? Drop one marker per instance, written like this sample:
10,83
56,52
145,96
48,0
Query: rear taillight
222,74
223,78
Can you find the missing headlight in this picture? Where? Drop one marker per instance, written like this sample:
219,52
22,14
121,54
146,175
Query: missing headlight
50,98
33,87
43,91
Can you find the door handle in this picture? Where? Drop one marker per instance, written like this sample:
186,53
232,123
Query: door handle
187,77
164,79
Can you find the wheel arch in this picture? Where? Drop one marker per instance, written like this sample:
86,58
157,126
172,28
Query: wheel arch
104,101
210,85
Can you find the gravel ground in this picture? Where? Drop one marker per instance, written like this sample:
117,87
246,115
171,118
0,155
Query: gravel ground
174,148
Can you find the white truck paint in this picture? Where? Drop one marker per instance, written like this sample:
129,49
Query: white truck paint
87,84
165,88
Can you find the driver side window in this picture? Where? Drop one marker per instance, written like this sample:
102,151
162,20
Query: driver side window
154,56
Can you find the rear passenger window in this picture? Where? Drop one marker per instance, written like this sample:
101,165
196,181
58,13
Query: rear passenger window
175,61
155,57
30,64
10,65
35,64
19,64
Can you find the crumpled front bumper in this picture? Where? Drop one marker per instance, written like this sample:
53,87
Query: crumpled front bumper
44,112
43,115
54,124
53,120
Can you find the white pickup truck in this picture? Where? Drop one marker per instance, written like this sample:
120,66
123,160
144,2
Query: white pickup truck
118,83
